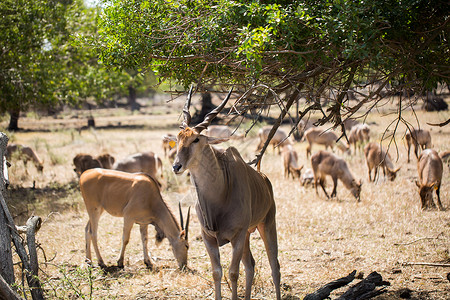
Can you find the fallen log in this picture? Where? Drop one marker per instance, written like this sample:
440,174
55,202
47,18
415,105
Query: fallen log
325,291
365,289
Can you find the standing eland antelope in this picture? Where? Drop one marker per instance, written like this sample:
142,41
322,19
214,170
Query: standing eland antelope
233,201
137,198
420,138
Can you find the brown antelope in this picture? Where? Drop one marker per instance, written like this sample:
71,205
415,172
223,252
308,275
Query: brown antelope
168,144
137,199
377,157
147,162
323,137
325,163
290,162
25,154
359,134
106,160
233,201
83,162
445,156
279,139
304,125
419,138
430,169
222,131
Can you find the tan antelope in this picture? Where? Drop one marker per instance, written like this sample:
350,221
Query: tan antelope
359,134
168,144
430,169
147,162
290,162
377,157
327,138
25,154
420,138
137,199
325,163
233,201
279,139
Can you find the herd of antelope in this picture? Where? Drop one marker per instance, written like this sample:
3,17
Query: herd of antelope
233,199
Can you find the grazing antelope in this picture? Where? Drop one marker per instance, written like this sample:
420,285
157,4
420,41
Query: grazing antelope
290,162
25,154
233,201
147,162
430,169
359,134
279,138
137,199
168,144
419,138
377,157
325,163
83,162
324,137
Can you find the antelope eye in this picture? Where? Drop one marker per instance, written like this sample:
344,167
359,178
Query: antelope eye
196,140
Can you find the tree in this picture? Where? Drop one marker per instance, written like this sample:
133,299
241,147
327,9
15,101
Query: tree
42,63
275,52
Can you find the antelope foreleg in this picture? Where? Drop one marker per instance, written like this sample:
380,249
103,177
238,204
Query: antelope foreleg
333,193
144,238
439,203
214,255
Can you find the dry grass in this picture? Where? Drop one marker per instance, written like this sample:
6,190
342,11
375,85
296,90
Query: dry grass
319,240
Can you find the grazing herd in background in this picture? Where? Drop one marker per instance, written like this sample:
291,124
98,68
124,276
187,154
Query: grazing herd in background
233,198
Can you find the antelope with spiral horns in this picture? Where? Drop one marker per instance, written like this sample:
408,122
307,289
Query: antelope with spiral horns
233,201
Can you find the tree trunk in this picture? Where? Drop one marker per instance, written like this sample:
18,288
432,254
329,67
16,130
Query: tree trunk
14,120
207,106
6,262
132,98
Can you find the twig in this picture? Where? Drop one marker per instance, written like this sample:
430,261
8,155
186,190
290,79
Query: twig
440,124
426,264
419,239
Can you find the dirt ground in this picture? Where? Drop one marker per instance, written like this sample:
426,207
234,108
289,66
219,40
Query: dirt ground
320,240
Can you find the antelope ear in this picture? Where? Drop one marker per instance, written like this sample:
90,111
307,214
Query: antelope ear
417,183
182,234
398,169
214,140
301,168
